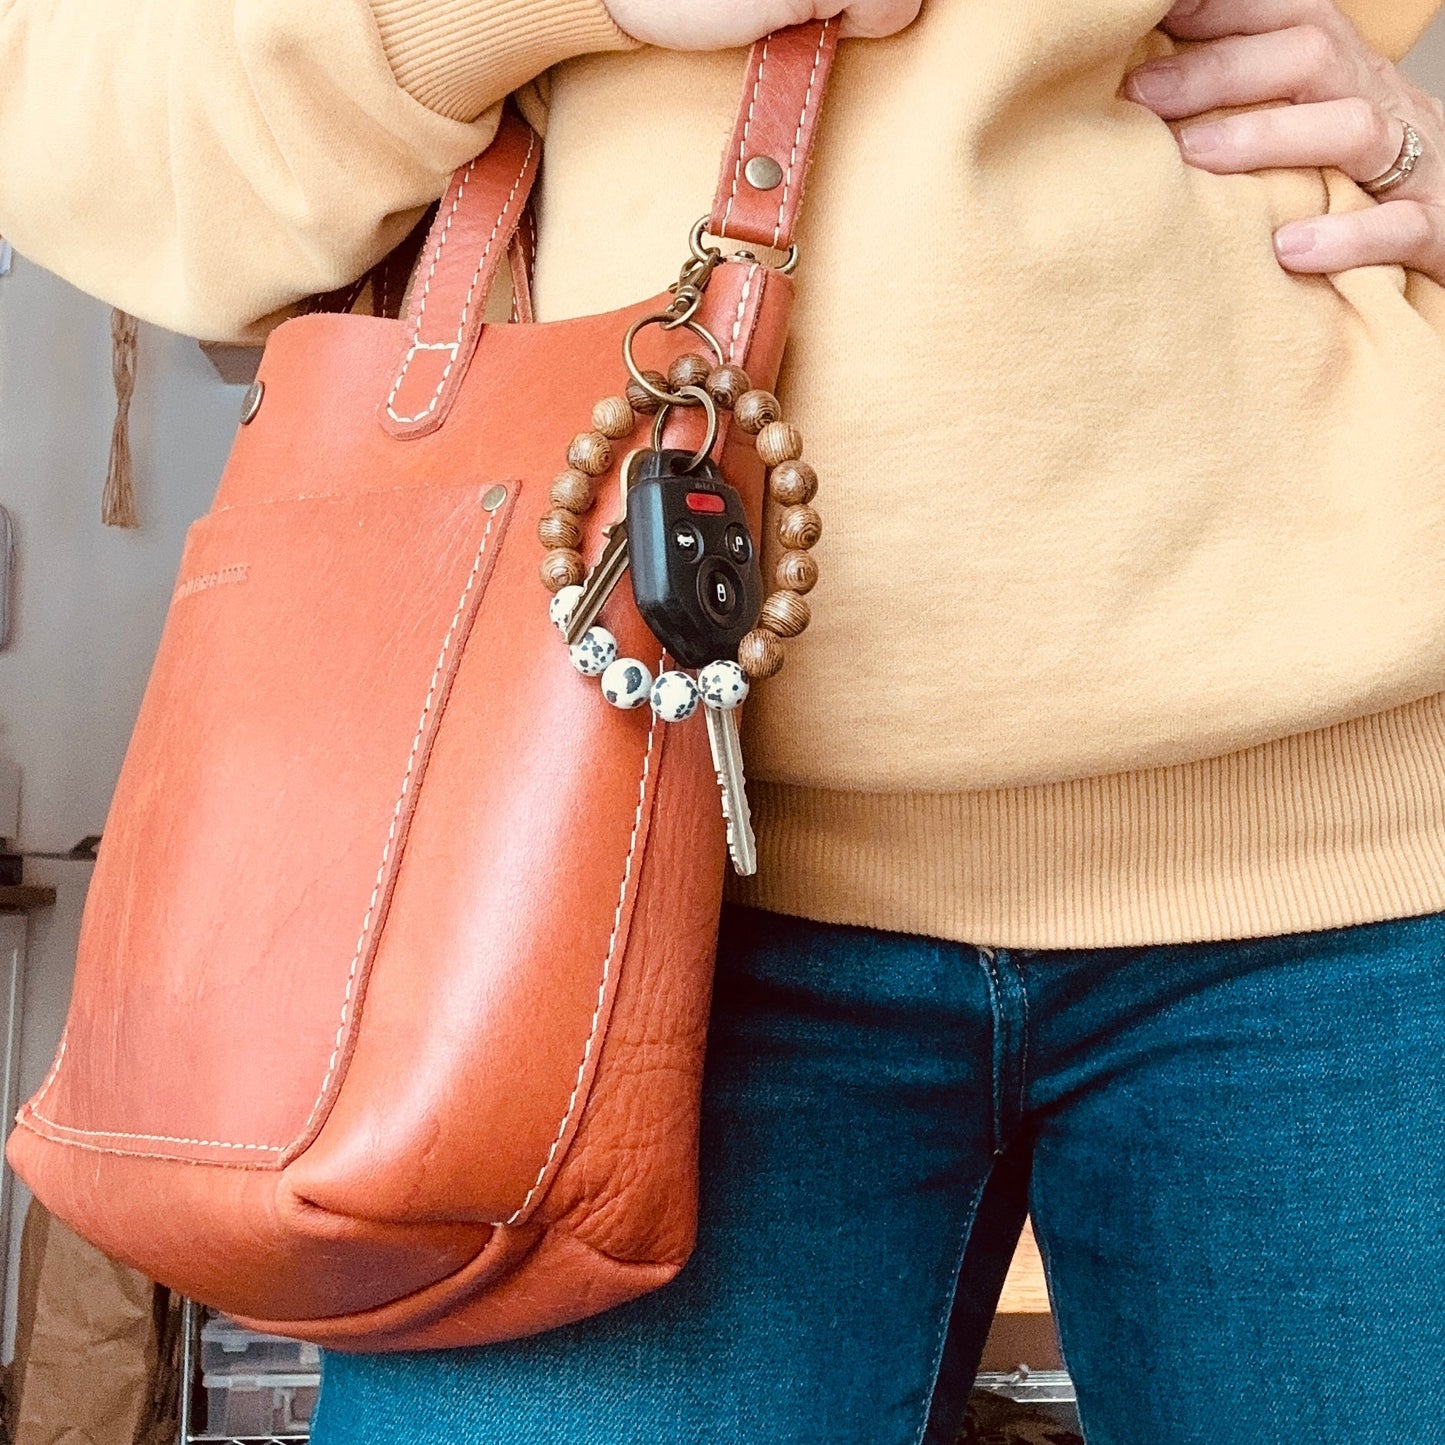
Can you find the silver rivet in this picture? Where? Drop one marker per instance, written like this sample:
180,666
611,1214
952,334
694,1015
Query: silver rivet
493,498
763,173
251,402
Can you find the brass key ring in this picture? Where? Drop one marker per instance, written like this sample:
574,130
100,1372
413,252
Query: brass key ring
709,405
661,318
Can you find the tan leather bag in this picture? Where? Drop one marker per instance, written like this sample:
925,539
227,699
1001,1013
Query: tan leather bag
394,977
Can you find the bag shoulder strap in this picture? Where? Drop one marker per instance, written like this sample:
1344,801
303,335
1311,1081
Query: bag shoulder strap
760,188
469,242
480,214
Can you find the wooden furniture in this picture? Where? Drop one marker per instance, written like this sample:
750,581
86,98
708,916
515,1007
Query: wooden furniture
26,898
1023,1329
1024,1291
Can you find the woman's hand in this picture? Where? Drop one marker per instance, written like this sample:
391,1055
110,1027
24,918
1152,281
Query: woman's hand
1348,109
722,24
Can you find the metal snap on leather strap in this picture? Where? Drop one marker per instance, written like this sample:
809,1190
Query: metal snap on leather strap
763,173
251,402
493,498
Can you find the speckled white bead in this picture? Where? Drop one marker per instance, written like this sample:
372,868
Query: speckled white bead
674,697
627,683
723,685
593,652
562,605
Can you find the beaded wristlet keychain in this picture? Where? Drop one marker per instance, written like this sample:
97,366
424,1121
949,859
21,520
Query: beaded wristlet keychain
723,682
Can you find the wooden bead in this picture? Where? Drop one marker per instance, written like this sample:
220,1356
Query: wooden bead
613,417
755,410
559,529
760,655
590,452
727,385
793,483
640,399
689,370
799,528
779,442
785,613
562,568
573,490
797,571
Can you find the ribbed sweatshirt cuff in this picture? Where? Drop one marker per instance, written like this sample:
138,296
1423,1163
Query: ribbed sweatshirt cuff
1320,830
458,57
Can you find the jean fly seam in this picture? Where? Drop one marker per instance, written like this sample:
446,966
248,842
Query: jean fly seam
1023,1035
950,1296
995,1003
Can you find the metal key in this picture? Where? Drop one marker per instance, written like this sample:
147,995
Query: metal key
727,759
601,582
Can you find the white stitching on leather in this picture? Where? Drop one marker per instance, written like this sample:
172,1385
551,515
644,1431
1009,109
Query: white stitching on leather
798,134
453,346
743,140
742,307
54,1070
365,922
436,256
154,1138
391,831
521,1209
116,1134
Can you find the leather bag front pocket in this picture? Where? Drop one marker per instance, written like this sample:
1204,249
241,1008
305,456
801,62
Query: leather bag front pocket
260,819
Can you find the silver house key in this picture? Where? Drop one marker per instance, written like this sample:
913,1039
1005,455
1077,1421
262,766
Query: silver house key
602,580
723,687
727,758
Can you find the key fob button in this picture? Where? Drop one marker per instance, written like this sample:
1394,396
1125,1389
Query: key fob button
719,591
739,545
687,541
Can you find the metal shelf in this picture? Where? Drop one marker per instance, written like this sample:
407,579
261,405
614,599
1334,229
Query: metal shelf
246,1439
1029,1387
191,1314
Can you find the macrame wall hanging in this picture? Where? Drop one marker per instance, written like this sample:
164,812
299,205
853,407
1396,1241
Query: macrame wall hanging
117,504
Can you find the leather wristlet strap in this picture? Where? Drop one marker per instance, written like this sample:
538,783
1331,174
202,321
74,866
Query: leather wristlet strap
765,165
760,191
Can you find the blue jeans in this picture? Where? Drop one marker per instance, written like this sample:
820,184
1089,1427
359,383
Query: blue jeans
1234,1155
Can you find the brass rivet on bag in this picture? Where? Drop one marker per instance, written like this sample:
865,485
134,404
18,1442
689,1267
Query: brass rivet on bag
251,402
493,498
763,173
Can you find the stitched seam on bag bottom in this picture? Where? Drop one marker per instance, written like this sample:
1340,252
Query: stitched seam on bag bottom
361,942
521,1209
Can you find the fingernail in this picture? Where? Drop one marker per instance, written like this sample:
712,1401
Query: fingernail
1295,240
1156,81
1201,140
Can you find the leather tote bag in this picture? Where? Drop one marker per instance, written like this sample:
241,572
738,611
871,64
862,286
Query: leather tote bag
394,976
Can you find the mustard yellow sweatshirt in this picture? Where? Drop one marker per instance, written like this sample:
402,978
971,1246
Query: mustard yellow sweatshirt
1132,621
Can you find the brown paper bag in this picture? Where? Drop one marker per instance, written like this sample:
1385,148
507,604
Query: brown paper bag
96,1346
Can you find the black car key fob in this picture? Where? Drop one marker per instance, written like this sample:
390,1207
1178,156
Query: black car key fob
694,567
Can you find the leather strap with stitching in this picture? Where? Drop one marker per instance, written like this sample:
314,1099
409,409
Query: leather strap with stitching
469,242
476,227
776,126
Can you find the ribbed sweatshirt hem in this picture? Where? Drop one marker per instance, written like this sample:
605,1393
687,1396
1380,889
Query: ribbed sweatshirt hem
457,56
1324,829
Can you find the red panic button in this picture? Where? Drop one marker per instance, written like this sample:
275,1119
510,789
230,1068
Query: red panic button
706,502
